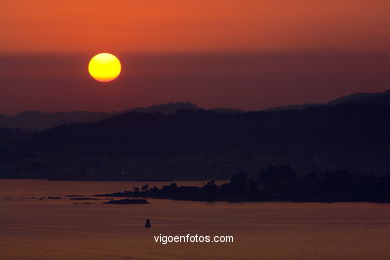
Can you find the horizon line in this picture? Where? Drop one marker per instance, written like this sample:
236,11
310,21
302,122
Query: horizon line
193,103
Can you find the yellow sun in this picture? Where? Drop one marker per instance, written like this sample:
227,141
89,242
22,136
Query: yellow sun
104,67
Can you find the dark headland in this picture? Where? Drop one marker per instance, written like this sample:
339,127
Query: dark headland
277,184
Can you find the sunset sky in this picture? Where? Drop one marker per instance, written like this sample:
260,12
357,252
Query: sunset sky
248,54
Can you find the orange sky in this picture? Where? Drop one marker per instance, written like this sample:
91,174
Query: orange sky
249,54
193,25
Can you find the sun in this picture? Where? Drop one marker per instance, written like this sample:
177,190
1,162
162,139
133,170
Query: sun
104,67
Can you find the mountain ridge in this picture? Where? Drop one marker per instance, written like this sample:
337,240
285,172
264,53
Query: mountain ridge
36,120
204,144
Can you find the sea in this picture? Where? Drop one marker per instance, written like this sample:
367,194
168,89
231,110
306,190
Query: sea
36,227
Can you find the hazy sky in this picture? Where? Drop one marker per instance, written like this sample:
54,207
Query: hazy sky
249,54
192,25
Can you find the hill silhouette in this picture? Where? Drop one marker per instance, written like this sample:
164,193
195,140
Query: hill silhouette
36,120
44,120
364,98
382,98
204,144
166,109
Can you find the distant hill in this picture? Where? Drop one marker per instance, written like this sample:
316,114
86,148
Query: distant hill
173,107
145,144
44,120
36,120
364,98
294,107
166,109
382,98
201,144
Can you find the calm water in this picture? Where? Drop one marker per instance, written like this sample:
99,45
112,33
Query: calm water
59,229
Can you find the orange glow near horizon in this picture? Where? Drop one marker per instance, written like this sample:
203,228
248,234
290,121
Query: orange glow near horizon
104,67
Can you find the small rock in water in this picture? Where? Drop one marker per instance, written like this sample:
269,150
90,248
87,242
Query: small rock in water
127,201
54,198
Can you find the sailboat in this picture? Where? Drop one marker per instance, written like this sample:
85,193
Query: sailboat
148,224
